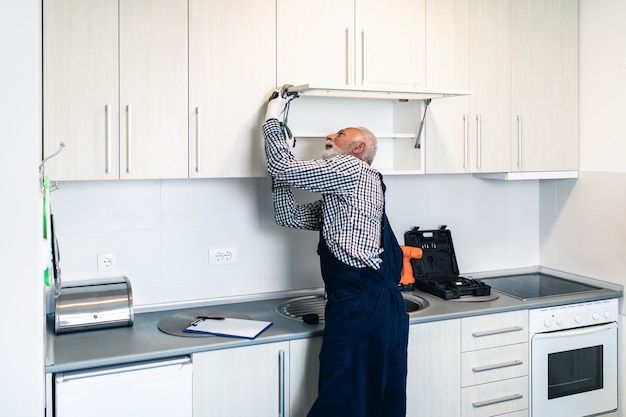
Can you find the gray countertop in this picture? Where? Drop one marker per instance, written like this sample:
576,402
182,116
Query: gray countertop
144,341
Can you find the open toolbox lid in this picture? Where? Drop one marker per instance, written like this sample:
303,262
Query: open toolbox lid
437,271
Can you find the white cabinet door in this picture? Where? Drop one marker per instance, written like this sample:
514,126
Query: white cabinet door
447,56
434,379
241,382
158,389
390,44
153,89
303,374
544,59
80,88
315,41
232,72
490,81
343,42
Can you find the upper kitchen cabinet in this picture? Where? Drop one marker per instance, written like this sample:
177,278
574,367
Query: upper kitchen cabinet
544,83
468,47
115,88
153,88
232,72
447,55
80,83
351,42
519,59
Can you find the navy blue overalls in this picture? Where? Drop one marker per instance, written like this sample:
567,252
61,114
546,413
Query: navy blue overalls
363,360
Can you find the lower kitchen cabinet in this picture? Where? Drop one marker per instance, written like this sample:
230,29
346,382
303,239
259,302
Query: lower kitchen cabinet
434,380
241,382
160,388
303,374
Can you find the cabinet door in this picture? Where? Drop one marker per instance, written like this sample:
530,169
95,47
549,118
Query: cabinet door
544,85
80,85
232,72
490,82
315,42
241,382
434,380
153,88
303,374
447,57
390,42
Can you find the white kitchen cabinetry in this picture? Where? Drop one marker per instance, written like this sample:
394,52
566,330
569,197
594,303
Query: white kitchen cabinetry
115,88
80,83
434,382
468,46
160,388
522,71
232,72
303,374
241,382
494,364
544,83
348,42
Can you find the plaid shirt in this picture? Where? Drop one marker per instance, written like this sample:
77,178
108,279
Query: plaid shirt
352,203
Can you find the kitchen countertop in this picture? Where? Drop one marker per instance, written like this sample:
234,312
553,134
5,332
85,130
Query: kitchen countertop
144,341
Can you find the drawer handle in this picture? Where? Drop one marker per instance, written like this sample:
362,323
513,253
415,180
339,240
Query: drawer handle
497,400
498,331
497,366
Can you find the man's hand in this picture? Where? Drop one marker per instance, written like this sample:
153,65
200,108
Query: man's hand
278,103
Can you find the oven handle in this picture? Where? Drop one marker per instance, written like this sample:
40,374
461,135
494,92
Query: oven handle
576,332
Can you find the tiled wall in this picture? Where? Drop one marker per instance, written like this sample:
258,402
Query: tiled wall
161,231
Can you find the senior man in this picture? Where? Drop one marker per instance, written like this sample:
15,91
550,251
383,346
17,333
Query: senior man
363,359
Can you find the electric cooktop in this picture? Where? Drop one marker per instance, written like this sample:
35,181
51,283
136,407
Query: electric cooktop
536,285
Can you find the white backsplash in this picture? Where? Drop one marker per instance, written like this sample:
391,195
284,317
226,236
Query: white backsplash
161,231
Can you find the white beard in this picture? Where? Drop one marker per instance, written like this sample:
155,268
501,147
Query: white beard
334,151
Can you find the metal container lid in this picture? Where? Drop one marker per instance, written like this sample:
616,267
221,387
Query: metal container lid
91,304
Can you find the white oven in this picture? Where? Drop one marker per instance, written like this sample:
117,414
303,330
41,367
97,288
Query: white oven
574,359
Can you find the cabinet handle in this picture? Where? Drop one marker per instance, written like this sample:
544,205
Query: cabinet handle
465,141
281,383
107,138
498,331
349,55
519,141
129,139
479,140
198,141
497,366
497,400
363,57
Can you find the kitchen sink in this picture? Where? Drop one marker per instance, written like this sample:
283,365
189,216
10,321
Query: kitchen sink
311,307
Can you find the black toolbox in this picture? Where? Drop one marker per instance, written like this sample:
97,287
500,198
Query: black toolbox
437,271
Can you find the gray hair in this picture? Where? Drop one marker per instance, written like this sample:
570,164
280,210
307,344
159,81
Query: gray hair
371,144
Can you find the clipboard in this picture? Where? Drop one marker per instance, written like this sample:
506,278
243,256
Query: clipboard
231,327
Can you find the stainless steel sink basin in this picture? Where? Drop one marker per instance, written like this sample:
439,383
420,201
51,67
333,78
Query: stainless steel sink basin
310,306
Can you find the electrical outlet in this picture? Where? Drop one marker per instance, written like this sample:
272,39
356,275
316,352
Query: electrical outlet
106,262
221,256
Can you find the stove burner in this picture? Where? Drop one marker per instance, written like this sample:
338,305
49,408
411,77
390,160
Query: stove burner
536,285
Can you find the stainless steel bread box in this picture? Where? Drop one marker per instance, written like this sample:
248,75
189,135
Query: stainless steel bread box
93,304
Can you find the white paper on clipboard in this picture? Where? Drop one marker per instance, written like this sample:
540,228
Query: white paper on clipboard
248,329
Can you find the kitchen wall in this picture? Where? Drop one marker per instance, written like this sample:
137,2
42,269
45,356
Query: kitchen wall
161,231
583,222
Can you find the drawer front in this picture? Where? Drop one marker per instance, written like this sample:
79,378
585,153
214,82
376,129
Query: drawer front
495,398
489,365
491,330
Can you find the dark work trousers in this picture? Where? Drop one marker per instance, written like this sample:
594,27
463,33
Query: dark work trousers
363,360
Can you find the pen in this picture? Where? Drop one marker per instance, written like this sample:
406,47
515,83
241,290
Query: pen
202,318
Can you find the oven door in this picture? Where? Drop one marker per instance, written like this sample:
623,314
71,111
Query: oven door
574,372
